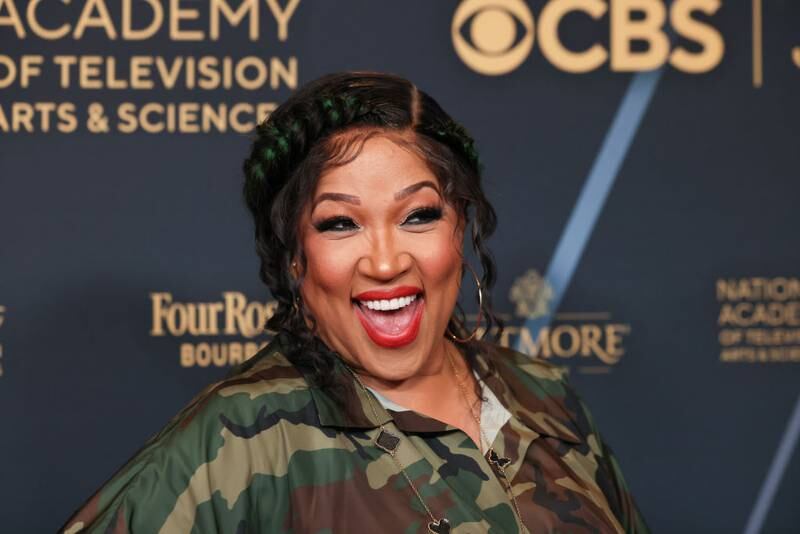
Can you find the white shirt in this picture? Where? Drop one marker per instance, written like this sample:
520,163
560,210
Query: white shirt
493,414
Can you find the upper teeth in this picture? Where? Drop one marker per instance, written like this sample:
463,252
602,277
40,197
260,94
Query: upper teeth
387,305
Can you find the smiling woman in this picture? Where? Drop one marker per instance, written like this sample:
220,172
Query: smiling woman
378,221
374,408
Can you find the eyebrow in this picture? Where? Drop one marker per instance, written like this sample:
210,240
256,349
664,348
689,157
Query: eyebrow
336,197
413,188
353,199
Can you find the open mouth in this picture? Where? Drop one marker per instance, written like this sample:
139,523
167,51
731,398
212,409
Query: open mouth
390,322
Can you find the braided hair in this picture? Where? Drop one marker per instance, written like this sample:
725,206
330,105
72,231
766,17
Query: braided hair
306,135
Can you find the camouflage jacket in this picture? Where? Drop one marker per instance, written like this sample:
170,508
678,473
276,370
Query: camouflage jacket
264,451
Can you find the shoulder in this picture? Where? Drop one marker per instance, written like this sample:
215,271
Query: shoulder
541,392
266,382
205,453
546,401
535,373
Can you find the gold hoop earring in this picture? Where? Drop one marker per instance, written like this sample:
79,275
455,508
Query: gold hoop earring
480,310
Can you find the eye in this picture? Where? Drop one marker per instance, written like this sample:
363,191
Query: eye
336,224
485,34
424,215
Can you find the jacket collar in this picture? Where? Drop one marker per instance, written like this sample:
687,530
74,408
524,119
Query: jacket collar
534,391
528,400
360,409
357,408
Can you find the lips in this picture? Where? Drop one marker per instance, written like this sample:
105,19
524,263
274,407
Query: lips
391,318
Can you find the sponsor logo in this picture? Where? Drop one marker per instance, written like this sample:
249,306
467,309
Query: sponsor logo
759,319
493,46
494,37
591,342
532,295
216,333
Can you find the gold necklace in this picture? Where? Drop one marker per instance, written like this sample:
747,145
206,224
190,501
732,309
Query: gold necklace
491,456
388,442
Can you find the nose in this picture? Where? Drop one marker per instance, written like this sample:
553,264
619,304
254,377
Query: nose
385,259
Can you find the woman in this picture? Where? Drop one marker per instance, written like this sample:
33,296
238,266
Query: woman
375,408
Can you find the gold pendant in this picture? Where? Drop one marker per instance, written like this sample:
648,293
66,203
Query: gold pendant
500,462
441,526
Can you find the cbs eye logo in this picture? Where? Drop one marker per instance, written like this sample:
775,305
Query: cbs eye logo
493,27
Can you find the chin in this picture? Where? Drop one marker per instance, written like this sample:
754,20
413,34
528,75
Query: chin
397,364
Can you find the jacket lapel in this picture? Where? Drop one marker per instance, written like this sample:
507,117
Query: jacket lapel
353,409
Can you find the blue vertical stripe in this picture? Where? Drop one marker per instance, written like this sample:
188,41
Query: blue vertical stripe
593,195
775,473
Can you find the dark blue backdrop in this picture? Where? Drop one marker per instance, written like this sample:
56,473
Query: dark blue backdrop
701,178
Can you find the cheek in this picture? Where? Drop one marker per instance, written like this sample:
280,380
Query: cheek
329,270
439,260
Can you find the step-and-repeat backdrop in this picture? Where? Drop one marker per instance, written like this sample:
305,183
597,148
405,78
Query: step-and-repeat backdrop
643,157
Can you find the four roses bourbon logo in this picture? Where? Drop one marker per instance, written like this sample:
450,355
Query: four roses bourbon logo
215,333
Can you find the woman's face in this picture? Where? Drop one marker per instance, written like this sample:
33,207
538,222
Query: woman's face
383,253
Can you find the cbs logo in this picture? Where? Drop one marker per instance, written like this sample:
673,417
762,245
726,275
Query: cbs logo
493,30
501,35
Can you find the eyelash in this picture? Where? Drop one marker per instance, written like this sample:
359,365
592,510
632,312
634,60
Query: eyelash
329,224
427,213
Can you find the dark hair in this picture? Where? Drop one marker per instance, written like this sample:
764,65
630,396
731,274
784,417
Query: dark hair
317,128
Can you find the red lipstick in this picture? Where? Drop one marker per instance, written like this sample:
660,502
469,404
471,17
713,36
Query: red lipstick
386,294
391,328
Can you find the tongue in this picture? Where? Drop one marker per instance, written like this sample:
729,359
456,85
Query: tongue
391,323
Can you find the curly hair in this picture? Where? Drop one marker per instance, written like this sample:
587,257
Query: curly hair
317,128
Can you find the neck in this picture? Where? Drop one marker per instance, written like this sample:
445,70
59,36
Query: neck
433,391
435,368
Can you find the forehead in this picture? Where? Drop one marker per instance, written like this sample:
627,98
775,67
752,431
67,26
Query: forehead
381,167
